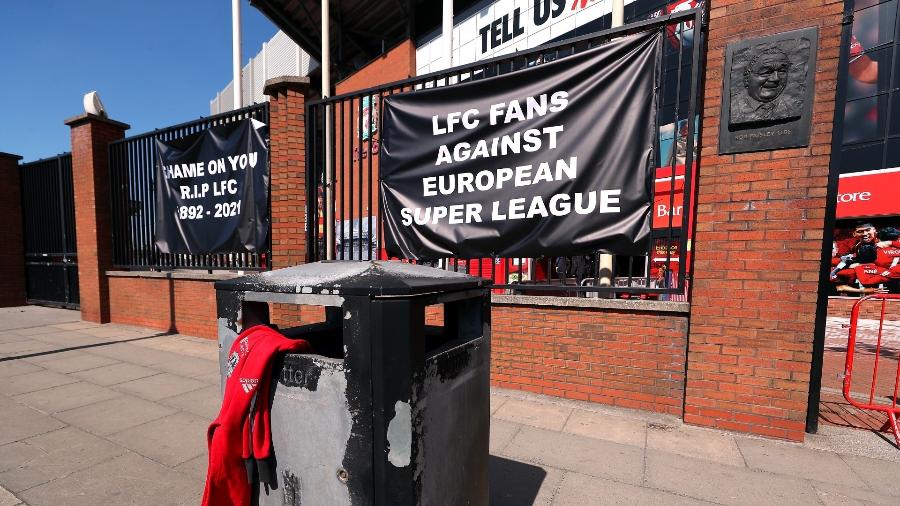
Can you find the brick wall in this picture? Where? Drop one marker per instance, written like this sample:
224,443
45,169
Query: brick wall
627,358
396,64
12,254
185,306
91,136
760,218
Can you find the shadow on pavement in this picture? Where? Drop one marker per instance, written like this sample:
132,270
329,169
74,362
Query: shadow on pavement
514,483
72,348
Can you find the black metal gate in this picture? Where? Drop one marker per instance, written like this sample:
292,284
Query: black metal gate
48,219
132,182
343,201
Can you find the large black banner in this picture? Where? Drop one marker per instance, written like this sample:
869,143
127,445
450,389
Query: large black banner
212,190
555,159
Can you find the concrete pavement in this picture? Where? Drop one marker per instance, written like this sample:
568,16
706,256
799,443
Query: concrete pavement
113,414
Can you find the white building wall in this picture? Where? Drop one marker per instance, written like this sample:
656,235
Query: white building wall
280,56
467,39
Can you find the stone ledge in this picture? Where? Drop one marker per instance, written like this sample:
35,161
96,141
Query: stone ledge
581,302
85,117
275,84
185,274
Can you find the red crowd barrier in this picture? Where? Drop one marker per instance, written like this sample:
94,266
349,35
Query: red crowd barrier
872,403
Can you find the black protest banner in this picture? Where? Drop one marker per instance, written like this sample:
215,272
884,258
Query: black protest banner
212,190
555,159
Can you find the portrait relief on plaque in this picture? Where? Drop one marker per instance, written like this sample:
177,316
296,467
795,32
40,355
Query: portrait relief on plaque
768,92
768,81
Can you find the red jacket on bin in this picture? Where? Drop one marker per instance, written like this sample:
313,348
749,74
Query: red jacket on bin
240,438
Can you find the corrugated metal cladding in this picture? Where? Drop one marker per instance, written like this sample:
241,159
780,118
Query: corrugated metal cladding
280,56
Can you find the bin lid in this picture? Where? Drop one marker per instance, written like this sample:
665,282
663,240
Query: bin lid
348,277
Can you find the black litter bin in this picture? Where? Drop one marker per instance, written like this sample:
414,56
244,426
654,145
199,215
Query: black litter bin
390,410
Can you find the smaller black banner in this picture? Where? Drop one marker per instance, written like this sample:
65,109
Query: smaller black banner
212,191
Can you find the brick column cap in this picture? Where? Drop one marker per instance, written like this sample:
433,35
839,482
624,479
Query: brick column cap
292,83
10,155
82,118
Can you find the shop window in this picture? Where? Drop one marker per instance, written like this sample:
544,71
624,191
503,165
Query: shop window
876,82
861,157
874,26
872,55
865,119
893,151
895,114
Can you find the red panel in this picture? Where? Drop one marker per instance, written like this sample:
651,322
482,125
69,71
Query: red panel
664,199
872,193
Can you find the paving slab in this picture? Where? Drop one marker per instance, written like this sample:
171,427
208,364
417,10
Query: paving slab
195,468
31,316
160,386
74,362
190,367
211,378
501,434
32,382
67,339
25,348
75,325
133,354
514,483
695,442
28,331
205,349
575,453
849,441
882,477
114,415
19,422
65,397
126,480
53,455
115,374
9,337
544,416
794,460
120,332
8,499
496,402
582,490
606,427
10,368
171,440
204,402
842,495
723,484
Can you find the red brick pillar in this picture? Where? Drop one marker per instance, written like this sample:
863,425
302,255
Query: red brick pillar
760,220
12,254
91,136
287,155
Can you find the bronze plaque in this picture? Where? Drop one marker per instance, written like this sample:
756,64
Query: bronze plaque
768,92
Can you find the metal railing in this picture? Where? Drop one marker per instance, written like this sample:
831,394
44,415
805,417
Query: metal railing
132,180
883,390
353,146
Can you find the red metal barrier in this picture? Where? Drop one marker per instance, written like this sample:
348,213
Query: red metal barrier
891,408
